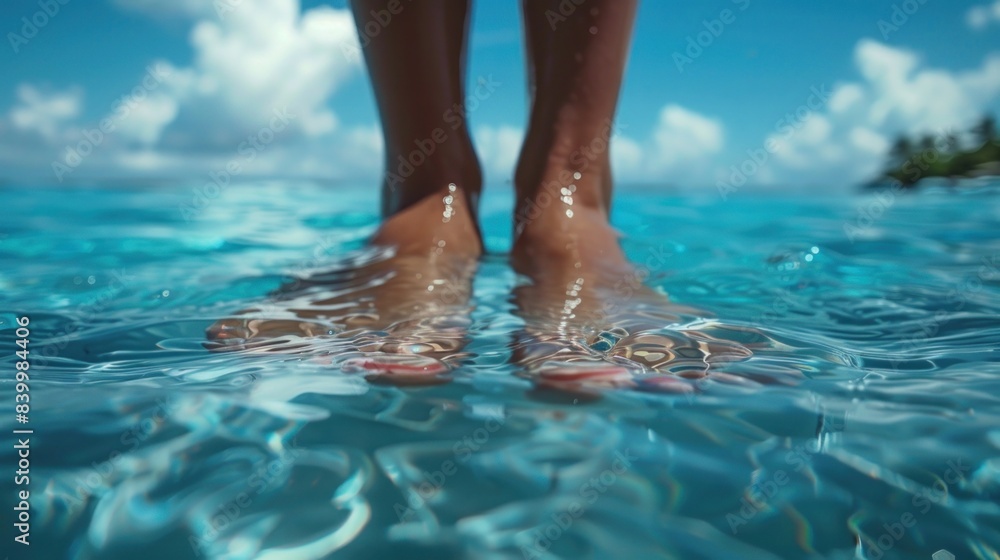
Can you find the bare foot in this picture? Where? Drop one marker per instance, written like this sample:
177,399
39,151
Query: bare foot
403,305
590,322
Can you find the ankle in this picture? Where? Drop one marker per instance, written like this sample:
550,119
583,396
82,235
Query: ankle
440,224
412,177
555,166
558,193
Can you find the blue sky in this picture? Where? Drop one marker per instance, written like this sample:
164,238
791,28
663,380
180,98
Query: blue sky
888,66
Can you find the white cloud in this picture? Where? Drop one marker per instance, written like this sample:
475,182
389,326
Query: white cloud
868,140
898,94
815,131
45,113
682,136
259,57
918,99
845,97
256,59
498,149
979,17
147,119
626,158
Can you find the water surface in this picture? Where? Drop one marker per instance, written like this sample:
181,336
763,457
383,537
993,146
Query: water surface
868,425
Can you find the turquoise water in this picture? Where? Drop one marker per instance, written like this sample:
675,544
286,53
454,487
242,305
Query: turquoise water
867,423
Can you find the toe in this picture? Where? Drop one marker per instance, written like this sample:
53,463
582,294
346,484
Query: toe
398,369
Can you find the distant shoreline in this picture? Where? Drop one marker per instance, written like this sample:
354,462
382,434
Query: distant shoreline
941,157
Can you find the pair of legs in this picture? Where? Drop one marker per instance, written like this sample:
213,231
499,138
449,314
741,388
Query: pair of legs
563,178
588,319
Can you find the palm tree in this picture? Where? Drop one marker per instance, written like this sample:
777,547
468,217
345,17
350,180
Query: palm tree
951,142
901,151
986,131
927,143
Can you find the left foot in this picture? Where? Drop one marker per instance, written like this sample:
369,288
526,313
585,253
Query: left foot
589,320
402,314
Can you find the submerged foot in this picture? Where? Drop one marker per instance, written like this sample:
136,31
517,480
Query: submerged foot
402,307
590,321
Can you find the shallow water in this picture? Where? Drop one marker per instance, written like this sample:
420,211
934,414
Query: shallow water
868,425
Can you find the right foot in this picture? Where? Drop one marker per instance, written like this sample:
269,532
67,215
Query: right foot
589,320
405,310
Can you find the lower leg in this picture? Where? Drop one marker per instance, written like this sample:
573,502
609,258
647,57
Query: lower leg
403,311
416,65
576,68
589,321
